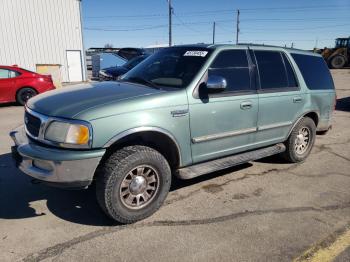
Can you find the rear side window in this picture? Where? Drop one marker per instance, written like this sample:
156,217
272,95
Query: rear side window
314,71
233,66
275,70
292,81
4,73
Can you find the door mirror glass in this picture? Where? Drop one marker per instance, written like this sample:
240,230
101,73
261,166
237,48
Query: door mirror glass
216,83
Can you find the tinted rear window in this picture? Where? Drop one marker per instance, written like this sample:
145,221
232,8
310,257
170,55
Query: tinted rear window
292,81
271,70
315,71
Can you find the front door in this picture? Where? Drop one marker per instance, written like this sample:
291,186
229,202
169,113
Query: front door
224,123
75,70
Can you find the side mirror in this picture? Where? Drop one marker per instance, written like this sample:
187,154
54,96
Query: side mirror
216,83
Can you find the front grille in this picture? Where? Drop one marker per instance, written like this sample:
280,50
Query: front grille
32,124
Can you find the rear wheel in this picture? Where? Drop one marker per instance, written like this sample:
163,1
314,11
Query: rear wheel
133,184
300,141
24,94
338,61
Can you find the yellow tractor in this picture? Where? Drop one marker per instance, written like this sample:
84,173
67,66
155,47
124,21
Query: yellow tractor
339,56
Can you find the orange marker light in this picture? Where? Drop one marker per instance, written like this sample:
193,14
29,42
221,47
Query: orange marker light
78,134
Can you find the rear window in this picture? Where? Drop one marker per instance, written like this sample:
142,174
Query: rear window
314,71
275,71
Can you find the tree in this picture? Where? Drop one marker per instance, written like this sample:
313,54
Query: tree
108,45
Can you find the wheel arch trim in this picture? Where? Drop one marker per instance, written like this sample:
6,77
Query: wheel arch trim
142,129
301,117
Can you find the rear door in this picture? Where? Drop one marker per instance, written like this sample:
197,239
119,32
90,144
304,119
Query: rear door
225,123
280,100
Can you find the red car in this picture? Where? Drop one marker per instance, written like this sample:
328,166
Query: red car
18,84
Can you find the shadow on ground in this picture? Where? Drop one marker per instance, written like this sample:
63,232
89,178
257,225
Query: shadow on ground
343,104
9,104
18,191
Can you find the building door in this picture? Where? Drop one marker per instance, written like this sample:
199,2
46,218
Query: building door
75,70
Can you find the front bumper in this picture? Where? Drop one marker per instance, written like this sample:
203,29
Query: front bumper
58,167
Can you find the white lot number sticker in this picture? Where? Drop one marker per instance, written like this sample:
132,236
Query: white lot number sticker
196,53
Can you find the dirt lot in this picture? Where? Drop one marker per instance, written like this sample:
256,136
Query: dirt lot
261,211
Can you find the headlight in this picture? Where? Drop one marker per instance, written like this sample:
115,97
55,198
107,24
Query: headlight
68,134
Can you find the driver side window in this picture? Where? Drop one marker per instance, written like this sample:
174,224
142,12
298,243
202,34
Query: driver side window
233,66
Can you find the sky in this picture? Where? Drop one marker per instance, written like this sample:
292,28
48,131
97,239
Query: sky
305,24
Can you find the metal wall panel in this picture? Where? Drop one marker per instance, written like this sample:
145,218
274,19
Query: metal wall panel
39,32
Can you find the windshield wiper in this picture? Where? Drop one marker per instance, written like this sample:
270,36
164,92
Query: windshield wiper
141,80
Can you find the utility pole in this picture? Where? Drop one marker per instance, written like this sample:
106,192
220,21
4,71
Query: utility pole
237,26
170,22
316,43
214,33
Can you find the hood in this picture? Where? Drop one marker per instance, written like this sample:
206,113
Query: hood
67,102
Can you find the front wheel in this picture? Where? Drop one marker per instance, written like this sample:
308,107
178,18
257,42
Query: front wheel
300,141
133,183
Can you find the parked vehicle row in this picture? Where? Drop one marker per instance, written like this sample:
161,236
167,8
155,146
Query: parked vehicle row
185,111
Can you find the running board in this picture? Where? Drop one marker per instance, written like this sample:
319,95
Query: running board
223,163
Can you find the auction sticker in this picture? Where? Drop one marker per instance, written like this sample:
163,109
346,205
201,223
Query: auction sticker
196,53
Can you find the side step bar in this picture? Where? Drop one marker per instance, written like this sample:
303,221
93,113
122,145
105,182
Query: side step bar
222,163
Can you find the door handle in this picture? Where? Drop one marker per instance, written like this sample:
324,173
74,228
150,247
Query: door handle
297,99
246,105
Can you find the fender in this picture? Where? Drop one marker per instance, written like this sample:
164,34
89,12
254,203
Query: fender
145,129
300,117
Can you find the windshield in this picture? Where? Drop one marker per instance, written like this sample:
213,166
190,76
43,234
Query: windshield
342,42
134,61
170,67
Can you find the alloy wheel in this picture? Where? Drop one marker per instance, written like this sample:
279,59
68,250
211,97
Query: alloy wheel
139,187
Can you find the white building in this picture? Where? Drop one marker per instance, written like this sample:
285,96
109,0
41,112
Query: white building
43,36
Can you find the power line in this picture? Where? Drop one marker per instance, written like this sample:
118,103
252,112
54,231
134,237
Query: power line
286,8
183,23
301,28
123,30
296,7
294,19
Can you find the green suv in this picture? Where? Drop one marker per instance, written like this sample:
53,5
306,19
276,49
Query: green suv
185,111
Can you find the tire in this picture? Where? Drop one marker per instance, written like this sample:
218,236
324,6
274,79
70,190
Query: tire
295,152
338,61
123,186
24,94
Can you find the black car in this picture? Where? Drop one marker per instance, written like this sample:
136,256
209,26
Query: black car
112,73
130,52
